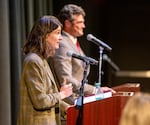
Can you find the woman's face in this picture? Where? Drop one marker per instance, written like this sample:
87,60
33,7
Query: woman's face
53,40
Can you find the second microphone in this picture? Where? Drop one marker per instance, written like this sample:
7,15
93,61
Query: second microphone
83,58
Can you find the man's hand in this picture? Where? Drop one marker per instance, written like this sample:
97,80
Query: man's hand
105,89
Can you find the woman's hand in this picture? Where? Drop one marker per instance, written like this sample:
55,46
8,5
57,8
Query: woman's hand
65,90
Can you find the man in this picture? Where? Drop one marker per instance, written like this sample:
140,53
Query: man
71,69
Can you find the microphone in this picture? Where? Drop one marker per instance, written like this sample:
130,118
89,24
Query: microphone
83,58
106,58
98,42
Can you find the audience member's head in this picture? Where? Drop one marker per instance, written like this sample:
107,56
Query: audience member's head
137,110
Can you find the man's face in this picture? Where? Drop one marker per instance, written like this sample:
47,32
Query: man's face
77,26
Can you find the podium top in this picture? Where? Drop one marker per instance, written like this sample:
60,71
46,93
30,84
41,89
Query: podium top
127,87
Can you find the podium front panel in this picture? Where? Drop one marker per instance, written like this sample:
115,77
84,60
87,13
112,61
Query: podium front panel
102,112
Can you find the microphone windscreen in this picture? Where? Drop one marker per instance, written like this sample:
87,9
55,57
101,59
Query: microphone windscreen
69,53
89,37
105,57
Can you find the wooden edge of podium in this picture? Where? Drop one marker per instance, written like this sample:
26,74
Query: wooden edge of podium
127,87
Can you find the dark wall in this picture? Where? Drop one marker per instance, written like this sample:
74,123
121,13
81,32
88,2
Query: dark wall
124,25
129,31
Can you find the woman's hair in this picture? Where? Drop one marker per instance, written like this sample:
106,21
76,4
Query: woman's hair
137,110
36,40
67,12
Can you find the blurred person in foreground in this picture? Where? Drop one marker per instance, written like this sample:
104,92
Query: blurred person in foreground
71,69
40,100
137,110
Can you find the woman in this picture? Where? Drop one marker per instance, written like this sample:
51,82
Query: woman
39,96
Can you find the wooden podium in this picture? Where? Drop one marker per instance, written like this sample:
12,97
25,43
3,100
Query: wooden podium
103,112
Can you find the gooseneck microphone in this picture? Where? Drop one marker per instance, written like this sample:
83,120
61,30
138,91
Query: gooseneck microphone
98,42
114,66
83,58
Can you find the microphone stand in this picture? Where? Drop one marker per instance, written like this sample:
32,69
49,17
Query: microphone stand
79,104
100,63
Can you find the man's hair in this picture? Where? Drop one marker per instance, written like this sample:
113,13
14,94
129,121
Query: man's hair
67,12
36,40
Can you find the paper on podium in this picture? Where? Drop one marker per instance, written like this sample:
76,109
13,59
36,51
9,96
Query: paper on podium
91,98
